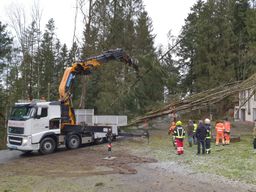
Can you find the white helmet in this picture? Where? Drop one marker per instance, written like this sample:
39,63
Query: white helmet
207,121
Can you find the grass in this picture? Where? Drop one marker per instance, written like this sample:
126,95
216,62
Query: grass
25,183
235,161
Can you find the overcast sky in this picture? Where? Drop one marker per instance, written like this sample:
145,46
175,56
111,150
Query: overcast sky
165,14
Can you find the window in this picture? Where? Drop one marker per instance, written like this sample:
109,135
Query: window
254,114
44,112
249,107
249,101
54,124
242,96
22,112
236,113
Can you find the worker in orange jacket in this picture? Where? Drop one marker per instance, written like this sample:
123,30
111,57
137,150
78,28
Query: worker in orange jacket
227,127
171,131
219,127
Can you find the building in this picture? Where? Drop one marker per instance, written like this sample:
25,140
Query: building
246,112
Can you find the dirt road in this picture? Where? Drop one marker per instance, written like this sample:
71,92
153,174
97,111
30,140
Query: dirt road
85,169
7,155
170,176
138,166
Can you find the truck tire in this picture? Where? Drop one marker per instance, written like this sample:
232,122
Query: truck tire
47,146
73,142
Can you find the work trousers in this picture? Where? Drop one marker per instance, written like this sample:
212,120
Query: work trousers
190,141
227,137
179,144
172,140
194,139
199,143
220,135
208,146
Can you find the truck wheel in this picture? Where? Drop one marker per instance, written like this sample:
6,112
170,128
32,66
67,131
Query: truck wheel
73,142
47,146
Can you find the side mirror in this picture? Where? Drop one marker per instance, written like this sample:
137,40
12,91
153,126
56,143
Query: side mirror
39,112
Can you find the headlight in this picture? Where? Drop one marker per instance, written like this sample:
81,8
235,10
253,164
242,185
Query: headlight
26,140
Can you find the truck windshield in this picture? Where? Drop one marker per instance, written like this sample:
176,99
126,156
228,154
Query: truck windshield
22,112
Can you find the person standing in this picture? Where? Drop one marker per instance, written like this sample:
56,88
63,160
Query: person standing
171,131
190,132
194,132
179,134
227,127
201,135
207,124
219,127
109,136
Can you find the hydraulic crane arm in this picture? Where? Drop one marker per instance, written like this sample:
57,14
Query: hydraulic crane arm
86,67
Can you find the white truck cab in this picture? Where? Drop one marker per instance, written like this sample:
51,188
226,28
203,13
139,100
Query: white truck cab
30,122
36,126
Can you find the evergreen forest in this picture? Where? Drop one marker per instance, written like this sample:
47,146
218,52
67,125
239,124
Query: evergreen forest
216,46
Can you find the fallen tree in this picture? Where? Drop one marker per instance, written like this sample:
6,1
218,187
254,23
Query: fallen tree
203,99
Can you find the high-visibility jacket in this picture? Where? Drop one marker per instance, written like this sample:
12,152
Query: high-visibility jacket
179,132
208,131
220,128
195,127
227,126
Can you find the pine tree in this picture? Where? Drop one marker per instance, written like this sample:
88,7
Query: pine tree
123,24
5,56
242,55
28,67
46,57
5,49
207,46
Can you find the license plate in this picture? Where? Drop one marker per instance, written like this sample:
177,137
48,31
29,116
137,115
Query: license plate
13,147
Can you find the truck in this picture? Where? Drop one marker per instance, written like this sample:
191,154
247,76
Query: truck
116,122
43,126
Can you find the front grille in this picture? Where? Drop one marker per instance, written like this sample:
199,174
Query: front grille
15,140
16,130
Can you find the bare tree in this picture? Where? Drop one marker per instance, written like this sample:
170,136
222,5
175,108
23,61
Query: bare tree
36,17
29,37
